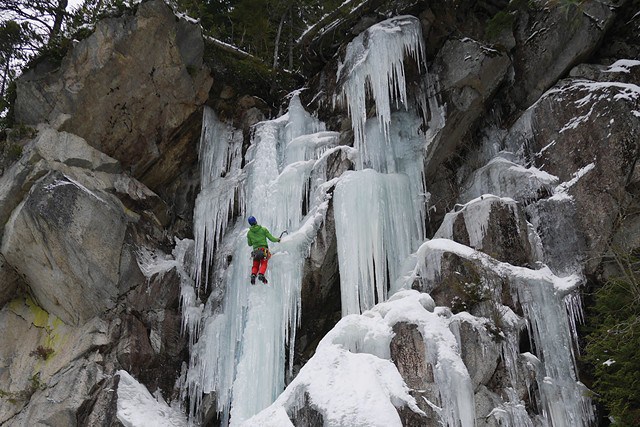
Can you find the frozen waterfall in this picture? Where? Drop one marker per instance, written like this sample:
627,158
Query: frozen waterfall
240,351
239,337
380,208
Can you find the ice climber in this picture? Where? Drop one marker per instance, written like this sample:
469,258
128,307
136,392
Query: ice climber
257,238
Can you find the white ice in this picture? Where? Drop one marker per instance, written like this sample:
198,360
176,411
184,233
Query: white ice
240,355
374,64
221,187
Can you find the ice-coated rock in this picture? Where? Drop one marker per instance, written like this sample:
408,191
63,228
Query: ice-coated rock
496,226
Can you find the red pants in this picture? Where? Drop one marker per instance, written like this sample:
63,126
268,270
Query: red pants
259,266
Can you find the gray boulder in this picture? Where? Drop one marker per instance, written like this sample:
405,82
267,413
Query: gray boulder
551,40
56,239
468,74
41,358
408,353
496,226
481,358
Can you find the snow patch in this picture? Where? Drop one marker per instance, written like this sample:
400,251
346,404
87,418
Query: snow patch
138,408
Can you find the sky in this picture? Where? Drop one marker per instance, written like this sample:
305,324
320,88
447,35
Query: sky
73,4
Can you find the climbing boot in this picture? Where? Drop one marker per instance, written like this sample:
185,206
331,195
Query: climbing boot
253,279
262,278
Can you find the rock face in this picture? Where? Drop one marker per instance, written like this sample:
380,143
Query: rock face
74,228
585,133
496,226
524,171
56,240
123,98
549,41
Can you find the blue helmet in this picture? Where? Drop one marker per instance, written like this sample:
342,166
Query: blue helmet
252,221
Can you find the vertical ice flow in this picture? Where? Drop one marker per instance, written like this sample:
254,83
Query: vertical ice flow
220,154
380,208
375,230
240,354
565,401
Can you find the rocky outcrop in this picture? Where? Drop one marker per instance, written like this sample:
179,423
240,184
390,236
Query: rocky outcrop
467,74
536,46
74,227
585,133
56,240
495,226
129,98
551,40
47,366
407,350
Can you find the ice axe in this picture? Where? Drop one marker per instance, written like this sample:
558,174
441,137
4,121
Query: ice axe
283,233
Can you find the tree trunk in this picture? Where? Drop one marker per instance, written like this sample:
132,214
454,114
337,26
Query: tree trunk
59,15
277,43
5,74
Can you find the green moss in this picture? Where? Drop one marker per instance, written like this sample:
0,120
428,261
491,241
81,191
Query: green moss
500,22
35,384
40,316
54,337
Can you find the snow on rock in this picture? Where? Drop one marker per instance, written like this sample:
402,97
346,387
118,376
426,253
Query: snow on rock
505,178
622,66
495,225
138,408
350,380
550,307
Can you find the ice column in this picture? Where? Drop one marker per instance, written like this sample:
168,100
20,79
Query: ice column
376,231
565,400
240,355
380,209
221,179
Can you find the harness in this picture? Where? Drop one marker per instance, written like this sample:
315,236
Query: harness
260,254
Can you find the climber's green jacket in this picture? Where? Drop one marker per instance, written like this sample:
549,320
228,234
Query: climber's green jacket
257,236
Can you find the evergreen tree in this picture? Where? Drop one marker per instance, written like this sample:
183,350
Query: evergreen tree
612,345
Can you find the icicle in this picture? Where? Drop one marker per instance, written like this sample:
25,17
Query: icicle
312,146
375,232
374,61
221,179
299,121
404,154
563,399
240,353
